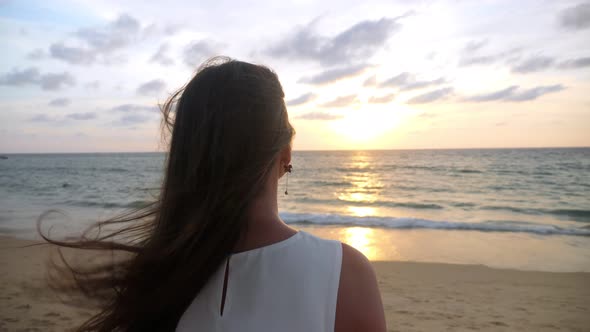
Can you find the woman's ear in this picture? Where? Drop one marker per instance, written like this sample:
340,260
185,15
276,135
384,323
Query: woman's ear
286,155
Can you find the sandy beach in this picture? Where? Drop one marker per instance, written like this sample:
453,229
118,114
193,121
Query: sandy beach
416,296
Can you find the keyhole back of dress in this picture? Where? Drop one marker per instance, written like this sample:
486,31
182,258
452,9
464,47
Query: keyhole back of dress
224,291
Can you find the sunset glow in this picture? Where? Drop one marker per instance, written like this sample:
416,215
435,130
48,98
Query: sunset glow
87,76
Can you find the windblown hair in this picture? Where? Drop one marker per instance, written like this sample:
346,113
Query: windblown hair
226,129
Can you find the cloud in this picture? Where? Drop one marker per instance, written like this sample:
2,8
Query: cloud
133,119
60,102
332,75
319,116
151,88
31,75
20,77
370,81
431,96
406,81
41,118
474,46
36,54
576,17
98,44
470,57
172,29
575,63
534,93
358,42
72,55
533,64
93,85
82,116
198,51
479,60
117,34
126,108
382,99
301,99
340,101
540,63
56,81
496,95
161,57
512,93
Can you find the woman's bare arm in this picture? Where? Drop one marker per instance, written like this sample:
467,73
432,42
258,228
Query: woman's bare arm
359,306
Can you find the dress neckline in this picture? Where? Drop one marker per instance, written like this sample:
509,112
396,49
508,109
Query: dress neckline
271,246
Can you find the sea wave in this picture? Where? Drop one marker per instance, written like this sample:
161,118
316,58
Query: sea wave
340,201
416,223
573,214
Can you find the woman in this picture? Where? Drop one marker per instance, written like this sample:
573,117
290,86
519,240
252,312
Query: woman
212,254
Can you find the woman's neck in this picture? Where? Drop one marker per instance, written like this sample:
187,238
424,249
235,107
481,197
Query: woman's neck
264,226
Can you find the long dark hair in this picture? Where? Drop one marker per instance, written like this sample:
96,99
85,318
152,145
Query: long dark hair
226,129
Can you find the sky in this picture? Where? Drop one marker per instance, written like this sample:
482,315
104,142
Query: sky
88,76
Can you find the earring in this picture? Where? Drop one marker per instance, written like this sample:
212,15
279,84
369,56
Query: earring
288,169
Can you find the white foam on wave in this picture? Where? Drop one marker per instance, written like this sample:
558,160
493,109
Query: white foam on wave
417,223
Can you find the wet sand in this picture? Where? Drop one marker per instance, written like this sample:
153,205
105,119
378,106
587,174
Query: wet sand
416,296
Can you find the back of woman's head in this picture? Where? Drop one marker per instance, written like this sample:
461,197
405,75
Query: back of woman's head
230,123
227,126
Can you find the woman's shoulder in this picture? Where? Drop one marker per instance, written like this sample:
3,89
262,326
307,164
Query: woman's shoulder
359,306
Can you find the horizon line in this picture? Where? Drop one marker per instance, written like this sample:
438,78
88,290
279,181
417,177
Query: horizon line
317,150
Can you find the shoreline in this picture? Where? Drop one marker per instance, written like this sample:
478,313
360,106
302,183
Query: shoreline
416,296
516,251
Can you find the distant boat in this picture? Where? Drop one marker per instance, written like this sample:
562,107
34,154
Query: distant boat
3,157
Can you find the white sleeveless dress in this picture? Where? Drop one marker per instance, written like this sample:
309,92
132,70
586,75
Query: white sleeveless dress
290,285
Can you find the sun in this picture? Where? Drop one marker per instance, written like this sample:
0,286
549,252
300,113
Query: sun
366,124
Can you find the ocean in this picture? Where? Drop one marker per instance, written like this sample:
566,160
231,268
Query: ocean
515,208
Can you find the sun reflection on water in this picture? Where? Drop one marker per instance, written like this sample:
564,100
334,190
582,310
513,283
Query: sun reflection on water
362,211
365,185
361,238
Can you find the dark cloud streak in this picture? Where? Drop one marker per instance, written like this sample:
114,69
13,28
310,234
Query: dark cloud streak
17,77
332,75
301,99
533,64
41,118
36,54
127,108
322,116
82,116
161,57
152,88
496,95
576,17
341,101
575,63
56,81
60,102
72,55
358,42
431,96
197,51
474,46
406,81
32,76
512,93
